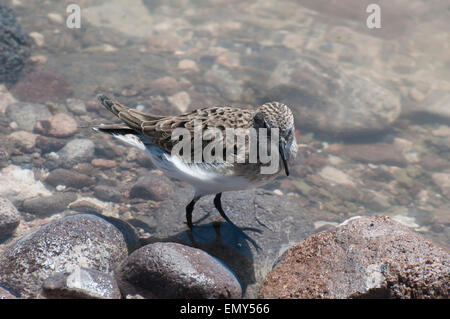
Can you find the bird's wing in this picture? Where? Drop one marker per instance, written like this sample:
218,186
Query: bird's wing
159,129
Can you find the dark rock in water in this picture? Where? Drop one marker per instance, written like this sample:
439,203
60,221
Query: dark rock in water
107,193
14,46
329,98
5,294
41,87
49,144
154,186
48,205
268,221
26,114
81,283
368,257
170,270
68,178
9,218
61,246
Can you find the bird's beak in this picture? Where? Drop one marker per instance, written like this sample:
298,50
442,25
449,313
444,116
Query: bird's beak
282,149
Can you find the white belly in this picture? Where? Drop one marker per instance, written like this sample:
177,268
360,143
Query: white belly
204,181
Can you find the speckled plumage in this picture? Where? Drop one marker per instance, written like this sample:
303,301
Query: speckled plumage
153,134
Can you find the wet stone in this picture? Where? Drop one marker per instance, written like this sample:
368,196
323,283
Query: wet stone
14,47
154,186
76,151
171,270
26,114
49,144
81,283
367,257
76,106
23,140
61,247
68,178
59,125
103,163
9,218
49,205
107,193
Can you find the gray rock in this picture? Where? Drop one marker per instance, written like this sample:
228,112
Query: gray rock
154,186
68,178
14,46
76,106
329,98
61,246
269,221
81,283
26,114
9,218
107,193
76,151
170,270
48,205
368,257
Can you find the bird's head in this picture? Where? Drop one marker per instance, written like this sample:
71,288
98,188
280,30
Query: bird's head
275,115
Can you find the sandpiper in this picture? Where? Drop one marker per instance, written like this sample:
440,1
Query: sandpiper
153,134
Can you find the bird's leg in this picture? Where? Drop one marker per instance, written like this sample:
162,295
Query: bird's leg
189,209
218,204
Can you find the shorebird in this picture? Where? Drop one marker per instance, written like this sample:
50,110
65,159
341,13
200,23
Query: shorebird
153,135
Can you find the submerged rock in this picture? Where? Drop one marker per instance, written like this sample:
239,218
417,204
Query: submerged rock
48,205
154,186
9,218
170,270
269,224
14,46
18,184
329,98
367,257
41,87
59,125
76,151
61,246
81,283
26,114
68,178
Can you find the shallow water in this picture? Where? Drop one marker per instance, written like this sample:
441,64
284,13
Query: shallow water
372,108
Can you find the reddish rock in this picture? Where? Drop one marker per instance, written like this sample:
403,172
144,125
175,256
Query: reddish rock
23,140
369,257
59,125
42,86
68,178
154,186
103,163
